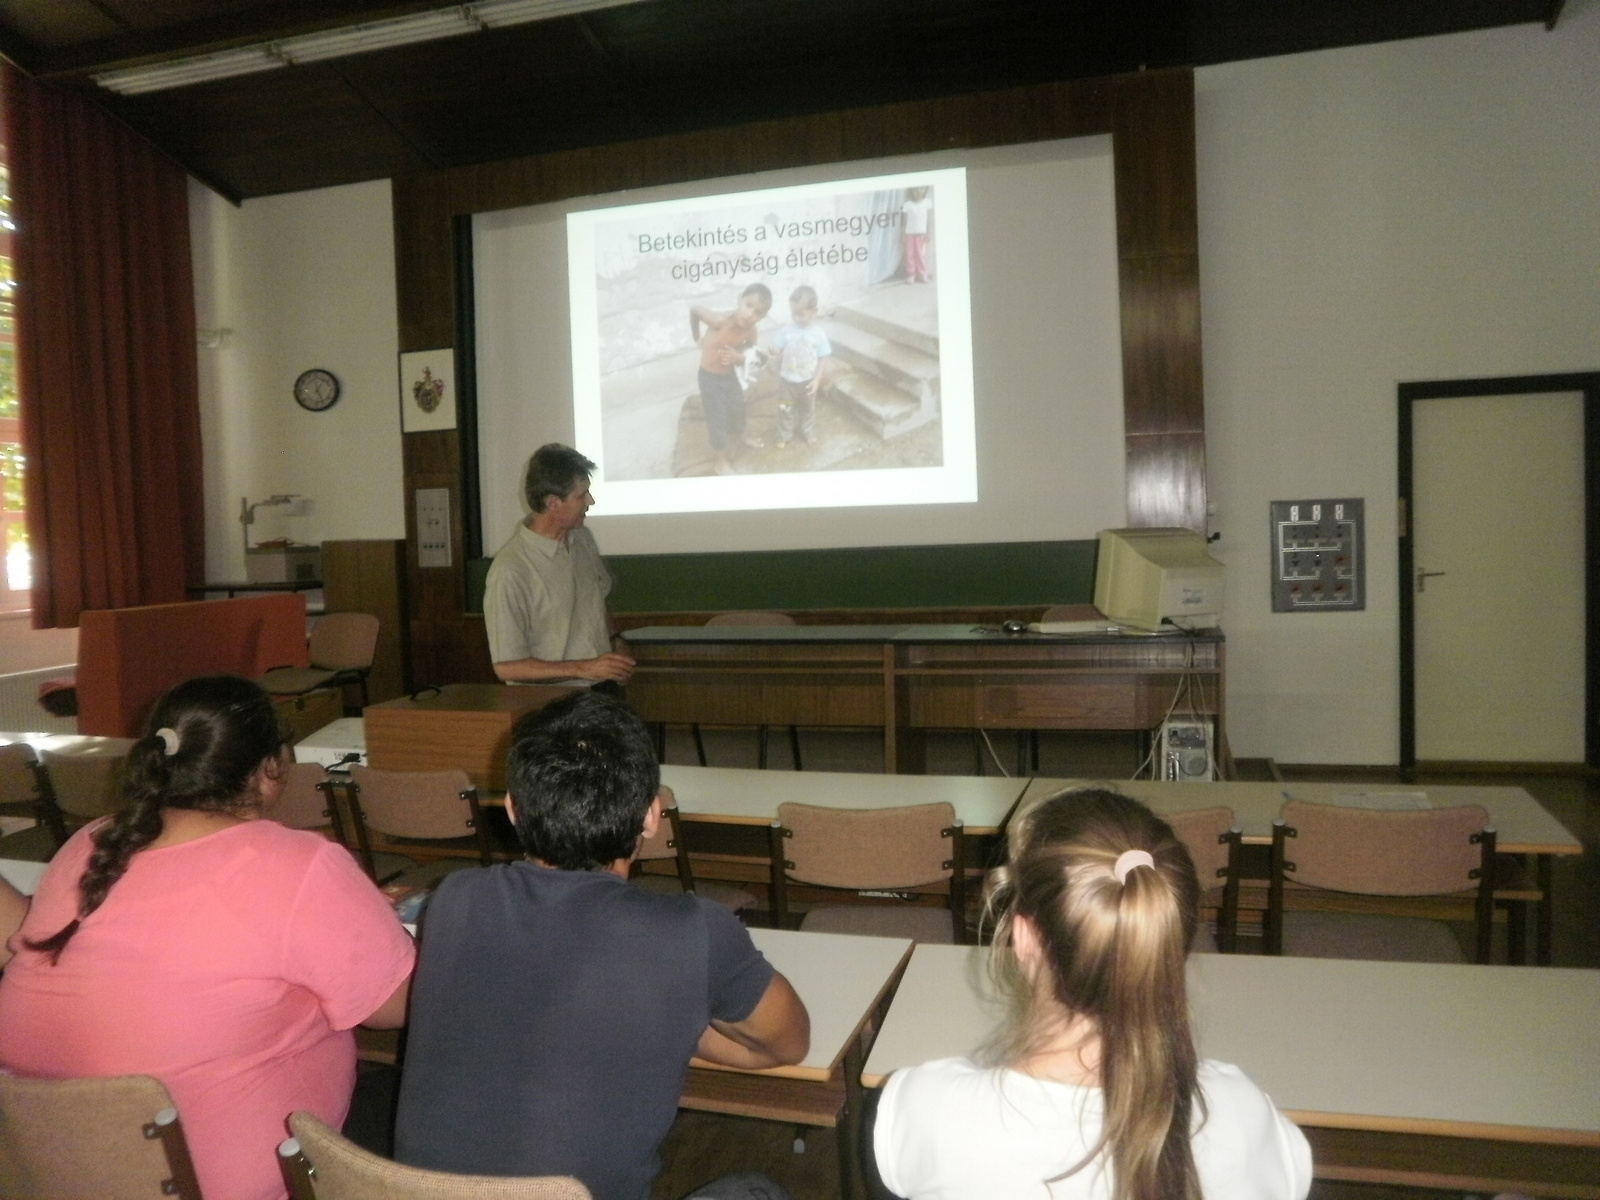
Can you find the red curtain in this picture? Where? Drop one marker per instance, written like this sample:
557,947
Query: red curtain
106,369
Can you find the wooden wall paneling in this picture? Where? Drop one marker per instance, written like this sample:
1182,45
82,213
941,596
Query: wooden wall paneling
369,577
1153,130
1167,479
1150,116
1161,376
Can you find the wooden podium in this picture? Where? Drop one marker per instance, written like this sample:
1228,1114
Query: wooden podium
465,725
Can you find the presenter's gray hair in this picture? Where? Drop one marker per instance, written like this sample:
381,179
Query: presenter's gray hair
552,471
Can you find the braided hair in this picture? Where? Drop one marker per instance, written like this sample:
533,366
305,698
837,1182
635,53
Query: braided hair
202,743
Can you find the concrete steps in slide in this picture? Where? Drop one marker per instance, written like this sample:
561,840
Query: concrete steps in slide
886,358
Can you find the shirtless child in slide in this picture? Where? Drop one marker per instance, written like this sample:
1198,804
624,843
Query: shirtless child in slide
723,341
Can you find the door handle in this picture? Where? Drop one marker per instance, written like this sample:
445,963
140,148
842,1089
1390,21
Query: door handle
1424,576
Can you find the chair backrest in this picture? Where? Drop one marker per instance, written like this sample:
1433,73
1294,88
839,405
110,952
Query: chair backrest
752,618
71,1139
84,785
415,804
344,641
1426,852
868,848
18,783
668,841
1204,832
320,1164
303,803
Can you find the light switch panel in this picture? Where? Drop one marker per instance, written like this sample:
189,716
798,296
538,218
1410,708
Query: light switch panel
433,527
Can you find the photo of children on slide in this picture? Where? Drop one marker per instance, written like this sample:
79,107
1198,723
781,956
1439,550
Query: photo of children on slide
771,336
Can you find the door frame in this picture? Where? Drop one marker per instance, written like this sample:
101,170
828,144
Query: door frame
1585,382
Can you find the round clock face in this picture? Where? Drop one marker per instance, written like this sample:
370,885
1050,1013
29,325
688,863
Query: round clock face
316,390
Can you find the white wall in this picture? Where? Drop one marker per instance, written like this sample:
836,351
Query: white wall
304,280
1420,210
1426,209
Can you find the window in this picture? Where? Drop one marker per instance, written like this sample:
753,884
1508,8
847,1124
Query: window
16,577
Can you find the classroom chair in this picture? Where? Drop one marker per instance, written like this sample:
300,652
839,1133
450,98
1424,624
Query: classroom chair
341,649
1214,843
83,787
320,1164
668,843
753,618
423,815
1403,873
883,850
23,793
71,1139
307,801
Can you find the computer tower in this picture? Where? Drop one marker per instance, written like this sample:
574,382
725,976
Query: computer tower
1184,751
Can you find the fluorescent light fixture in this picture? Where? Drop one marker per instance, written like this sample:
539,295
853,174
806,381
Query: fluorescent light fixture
339,43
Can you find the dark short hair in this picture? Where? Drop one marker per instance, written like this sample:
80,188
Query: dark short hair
582,772
552,471
758,289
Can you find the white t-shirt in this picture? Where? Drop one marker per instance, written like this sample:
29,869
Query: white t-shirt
916,214
950,1130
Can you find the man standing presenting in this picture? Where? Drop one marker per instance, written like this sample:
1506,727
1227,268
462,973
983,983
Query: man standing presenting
555,1007
544,604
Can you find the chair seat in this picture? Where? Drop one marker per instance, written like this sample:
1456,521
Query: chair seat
878,920
1379,938
294,681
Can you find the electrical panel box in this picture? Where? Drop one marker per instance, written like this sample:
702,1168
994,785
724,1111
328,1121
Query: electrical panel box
1318,556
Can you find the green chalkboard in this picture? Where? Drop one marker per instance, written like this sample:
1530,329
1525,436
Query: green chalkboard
989,574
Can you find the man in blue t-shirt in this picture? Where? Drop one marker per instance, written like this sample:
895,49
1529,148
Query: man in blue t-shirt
554,1007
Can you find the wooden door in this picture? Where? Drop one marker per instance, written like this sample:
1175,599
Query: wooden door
1497,579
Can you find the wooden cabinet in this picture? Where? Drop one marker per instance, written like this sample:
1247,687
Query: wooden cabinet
367,576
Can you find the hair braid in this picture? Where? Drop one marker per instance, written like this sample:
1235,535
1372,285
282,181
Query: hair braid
202,743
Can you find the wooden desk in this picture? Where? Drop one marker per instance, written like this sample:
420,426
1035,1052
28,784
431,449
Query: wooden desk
465,725
843,981
1425,1075
906,679
726,811
1521,825
732,795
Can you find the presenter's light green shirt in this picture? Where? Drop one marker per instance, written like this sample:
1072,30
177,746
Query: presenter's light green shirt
547,600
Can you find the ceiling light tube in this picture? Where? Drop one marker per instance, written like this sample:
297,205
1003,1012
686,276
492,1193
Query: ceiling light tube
340,43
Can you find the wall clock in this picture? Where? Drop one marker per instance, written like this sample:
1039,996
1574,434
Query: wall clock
316,390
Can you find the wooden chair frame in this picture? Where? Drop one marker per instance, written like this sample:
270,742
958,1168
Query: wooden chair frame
955,864
426,847
1482,894
127,1093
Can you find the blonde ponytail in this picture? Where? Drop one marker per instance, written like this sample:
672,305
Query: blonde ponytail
1114,952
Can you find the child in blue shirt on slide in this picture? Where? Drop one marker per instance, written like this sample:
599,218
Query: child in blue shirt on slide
800,348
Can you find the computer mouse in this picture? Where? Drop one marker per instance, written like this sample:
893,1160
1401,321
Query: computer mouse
1013,627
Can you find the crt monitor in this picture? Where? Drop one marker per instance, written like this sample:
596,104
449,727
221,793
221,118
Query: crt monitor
1157,578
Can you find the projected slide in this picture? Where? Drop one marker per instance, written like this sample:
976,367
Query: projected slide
797,347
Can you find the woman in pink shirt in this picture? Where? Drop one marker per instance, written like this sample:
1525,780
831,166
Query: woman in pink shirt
188,939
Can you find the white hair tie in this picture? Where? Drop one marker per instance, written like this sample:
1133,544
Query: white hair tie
1128,860
169,740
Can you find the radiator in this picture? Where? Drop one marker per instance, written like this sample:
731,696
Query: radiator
19,702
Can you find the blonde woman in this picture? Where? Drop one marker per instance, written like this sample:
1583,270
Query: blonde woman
1099,1095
